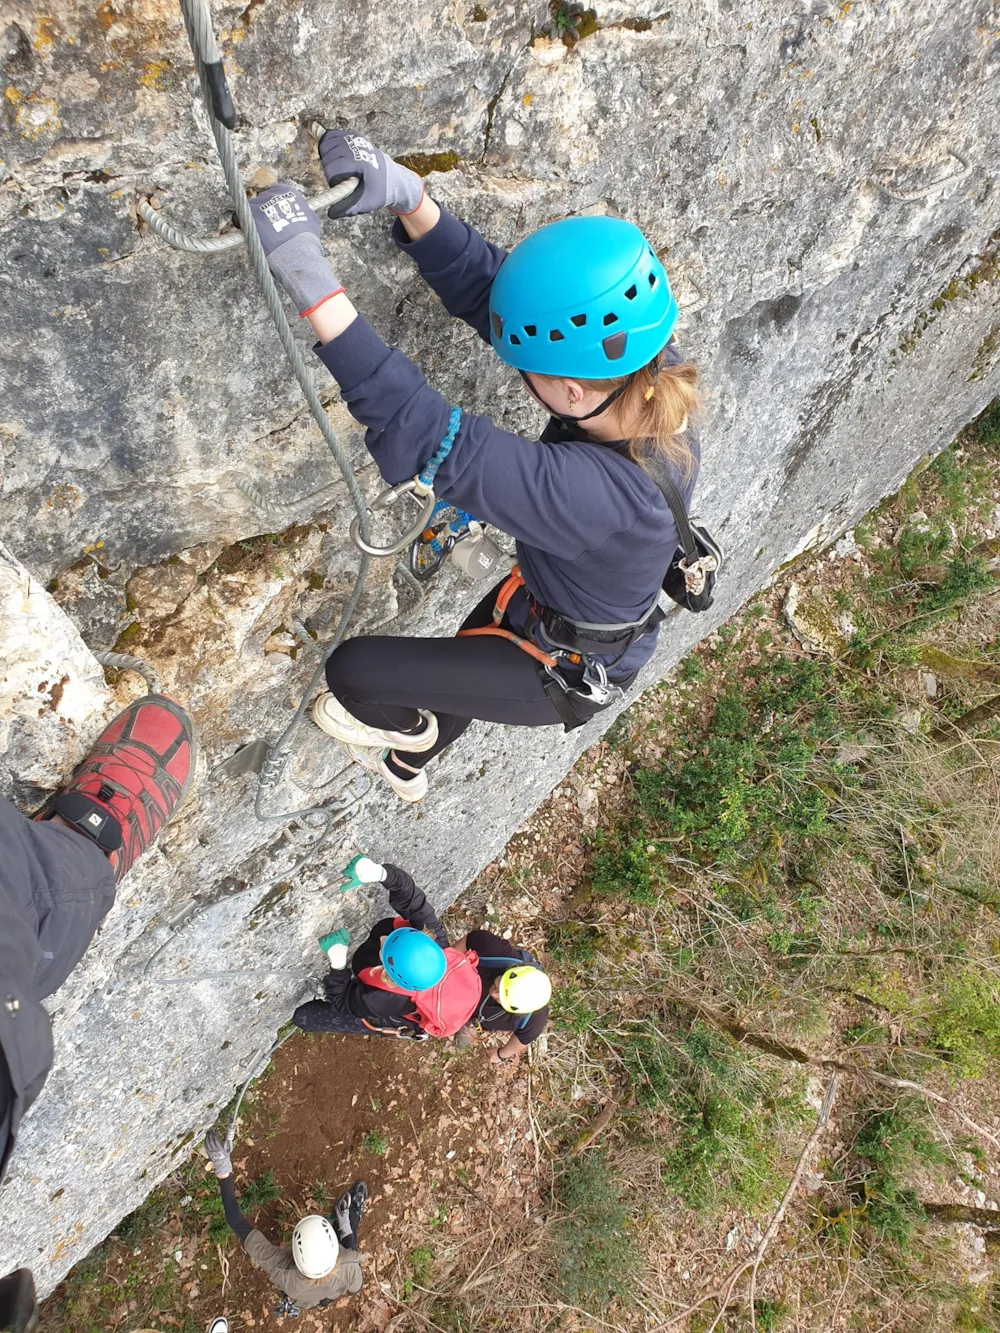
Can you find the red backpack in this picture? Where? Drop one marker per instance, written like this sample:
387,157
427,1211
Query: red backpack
447,1007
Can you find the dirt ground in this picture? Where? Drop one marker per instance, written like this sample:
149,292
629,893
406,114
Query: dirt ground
458,1150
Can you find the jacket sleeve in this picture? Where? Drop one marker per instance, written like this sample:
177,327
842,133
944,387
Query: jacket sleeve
234,1216
459,265
351,997
337,985
410,902
560,498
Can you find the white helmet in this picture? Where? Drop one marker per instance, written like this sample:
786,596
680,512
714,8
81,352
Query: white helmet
315,1247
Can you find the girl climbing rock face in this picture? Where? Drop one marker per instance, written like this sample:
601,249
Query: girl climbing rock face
582,309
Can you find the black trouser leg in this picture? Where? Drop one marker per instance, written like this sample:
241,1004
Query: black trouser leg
318,1016
382,681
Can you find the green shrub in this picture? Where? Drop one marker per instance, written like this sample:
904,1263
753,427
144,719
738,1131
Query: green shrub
966,1021
259,1192
597,1261
375,1142
727,1109
622,868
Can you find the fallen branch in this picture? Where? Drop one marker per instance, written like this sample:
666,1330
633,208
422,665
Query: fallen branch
223,1267
601,1122
981,713
783,1051
723,1293
960,1212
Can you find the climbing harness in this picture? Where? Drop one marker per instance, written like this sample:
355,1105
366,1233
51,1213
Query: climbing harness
404,1034
575,700
463,538
421,486
573,677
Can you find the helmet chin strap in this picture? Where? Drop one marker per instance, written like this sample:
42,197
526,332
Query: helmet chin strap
566,417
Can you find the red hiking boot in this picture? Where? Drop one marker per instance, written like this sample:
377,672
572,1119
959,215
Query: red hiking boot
137,773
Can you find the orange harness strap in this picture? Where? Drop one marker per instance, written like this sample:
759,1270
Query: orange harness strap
510,586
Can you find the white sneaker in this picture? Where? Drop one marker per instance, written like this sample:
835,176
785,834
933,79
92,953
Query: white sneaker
331,716
219,1326
407,789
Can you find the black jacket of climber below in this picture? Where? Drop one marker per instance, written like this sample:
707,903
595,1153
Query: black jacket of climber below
594,534
491,1016
384,1008
55,889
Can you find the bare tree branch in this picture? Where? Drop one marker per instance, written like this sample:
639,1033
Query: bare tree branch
723,1293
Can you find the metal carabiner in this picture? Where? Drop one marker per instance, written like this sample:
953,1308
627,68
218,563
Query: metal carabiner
427,555
388,497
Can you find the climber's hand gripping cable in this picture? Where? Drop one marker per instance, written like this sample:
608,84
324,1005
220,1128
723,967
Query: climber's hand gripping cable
290,235
361,870
382,183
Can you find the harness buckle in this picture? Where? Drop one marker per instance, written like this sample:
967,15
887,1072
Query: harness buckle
389,496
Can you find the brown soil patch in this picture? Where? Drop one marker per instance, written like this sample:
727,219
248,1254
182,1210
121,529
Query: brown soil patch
458,1152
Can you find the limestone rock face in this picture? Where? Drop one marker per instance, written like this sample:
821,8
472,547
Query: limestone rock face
820,181
52,693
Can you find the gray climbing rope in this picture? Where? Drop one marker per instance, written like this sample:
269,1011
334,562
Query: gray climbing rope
213,245
201,36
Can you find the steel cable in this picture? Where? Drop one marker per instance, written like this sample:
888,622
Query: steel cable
201,36
213,245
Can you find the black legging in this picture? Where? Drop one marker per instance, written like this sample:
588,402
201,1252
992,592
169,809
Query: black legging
383,680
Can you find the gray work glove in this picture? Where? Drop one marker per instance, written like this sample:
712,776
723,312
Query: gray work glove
289,232
218,1154
382,182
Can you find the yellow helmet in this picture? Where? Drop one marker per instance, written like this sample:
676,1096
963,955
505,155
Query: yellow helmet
524,989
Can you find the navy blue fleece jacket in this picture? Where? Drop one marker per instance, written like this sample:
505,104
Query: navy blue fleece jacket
594,534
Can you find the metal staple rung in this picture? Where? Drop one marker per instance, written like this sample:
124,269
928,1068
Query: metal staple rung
125,662
915,197
280,509
213,245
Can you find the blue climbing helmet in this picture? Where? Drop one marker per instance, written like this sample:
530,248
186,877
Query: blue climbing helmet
585,298
412,960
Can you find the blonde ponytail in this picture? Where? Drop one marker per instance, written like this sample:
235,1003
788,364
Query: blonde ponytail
656,409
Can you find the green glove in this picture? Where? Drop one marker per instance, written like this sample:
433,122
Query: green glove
359,872
334,946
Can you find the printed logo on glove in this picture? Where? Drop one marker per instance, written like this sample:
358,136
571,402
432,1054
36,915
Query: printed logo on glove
363,149
281,210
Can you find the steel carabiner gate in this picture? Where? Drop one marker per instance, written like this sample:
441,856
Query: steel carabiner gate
389,497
